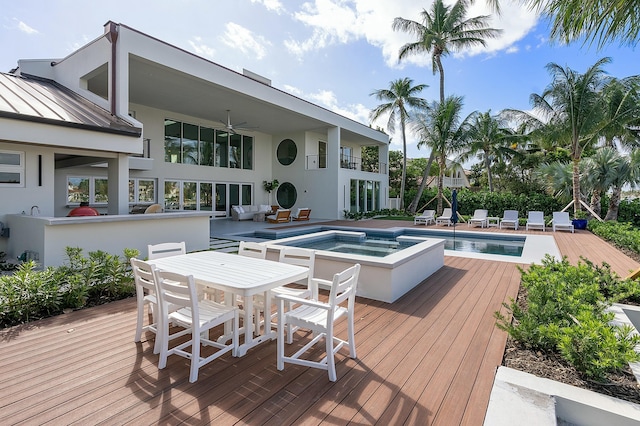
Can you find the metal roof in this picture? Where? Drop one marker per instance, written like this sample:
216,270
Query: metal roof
40,100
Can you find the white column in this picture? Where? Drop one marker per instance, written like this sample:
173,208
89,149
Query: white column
118,176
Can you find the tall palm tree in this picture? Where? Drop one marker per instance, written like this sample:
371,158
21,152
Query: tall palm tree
489,139
441,130
572,106
601,21
602,171
398,99
442,30
628,173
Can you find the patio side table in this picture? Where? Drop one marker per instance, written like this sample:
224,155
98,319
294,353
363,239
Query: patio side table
493,221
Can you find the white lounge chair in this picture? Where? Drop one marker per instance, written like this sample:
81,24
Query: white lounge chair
509,219
535,220
426,217
479,218
561,222
445,219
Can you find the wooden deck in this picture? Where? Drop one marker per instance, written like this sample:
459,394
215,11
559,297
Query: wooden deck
429,358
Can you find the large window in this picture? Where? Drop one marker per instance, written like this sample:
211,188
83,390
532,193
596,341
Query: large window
93,190
142,191
11,168
364,195
195,195
191,144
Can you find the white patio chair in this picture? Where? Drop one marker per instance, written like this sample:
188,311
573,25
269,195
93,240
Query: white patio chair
561,222
158,251
479,218
426,217
145,295
319,317
509,219
197,317
257,251
535,220
445,219
300,257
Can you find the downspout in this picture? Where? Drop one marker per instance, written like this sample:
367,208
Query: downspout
112,36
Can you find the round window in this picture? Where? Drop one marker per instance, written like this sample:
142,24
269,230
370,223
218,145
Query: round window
287,152
287,195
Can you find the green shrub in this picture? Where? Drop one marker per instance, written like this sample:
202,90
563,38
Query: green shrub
565,310
594,346
31,294
623,235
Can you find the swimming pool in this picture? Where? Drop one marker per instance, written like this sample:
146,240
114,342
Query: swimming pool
380,243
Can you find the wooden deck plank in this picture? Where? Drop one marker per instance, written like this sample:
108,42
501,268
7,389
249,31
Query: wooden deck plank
429,357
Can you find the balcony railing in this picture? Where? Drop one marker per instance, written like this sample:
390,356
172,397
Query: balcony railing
315,162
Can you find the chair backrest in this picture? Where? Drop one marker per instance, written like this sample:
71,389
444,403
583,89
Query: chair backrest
428,213
446,212
480,214
252,249
536,217
510,214
343,288
283,214
561,218
300,257
158,251
143,275
303,213
177,290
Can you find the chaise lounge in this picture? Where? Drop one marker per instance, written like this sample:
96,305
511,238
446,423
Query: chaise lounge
281,216
426,217
479,218
302,214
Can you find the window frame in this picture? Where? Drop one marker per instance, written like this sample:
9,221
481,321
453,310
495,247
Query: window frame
14,169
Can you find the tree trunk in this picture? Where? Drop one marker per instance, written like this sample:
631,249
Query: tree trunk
441,72
595,204
404,163
576,185
487,164
614,204
425,177
440,184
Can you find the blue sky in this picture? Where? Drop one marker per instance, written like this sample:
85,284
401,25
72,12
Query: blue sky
334,53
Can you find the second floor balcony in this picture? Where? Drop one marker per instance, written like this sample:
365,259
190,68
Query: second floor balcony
315,162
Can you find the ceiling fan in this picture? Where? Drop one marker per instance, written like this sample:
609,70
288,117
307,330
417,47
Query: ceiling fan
231,127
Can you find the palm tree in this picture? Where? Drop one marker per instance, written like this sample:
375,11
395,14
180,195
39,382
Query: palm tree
441,130
488,139
572,106
600,21
602,171
628,173
398,99
442,30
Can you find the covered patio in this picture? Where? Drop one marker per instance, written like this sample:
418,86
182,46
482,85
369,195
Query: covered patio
429,358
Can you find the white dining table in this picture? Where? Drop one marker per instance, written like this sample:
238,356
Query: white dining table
240,275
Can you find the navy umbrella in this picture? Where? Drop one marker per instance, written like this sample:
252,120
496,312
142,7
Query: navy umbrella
454,214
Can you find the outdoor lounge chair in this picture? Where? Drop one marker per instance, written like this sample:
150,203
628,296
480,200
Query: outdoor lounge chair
302,214
445,219
426,217
509,219
535,220
281,216
479,218
561,222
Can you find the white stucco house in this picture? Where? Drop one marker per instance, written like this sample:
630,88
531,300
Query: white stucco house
127,121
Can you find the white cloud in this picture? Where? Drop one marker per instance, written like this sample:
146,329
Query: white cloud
243,40
26,28
339,22
512,49
271,5
201,49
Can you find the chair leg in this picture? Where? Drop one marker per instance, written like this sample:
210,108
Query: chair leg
140,319
352,341
162,337
280,339
195,355
331,362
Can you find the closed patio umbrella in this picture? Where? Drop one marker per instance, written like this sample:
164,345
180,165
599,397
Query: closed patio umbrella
454,214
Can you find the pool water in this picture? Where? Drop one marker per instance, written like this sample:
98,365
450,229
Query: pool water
380,243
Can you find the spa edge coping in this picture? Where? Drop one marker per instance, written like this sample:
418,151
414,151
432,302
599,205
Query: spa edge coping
52,221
